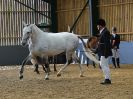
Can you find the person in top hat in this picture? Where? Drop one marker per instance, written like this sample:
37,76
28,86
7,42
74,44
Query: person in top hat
104,50
115,42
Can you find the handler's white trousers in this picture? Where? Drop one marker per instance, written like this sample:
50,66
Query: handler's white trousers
104,63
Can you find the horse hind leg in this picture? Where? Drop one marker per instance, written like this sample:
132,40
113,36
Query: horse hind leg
44,68
54,62
61,69
78,61
69,60
55,67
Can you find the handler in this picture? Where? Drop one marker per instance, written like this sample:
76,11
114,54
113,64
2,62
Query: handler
104,50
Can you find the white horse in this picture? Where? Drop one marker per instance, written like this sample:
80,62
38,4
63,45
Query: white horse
44,44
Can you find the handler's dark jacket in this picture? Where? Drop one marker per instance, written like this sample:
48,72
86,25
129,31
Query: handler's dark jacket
117,41
104,46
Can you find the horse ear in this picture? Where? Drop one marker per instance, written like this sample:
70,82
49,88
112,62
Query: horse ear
68,28
72,32
24,24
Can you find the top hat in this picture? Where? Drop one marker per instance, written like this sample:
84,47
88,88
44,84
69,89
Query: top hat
101,22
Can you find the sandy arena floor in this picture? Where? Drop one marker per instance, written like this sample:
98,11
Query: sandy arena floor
68,86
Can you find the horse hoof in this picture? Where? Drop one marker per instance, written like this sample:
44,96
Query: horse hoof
55,70
21,77
46,78
38,72
58,75
81,76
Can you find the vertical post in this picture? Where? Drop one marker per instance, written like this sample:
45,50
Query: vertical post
94,15
54,16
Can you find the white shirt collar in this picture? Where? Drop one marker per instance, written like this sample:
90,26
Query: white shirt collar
102,30
113,34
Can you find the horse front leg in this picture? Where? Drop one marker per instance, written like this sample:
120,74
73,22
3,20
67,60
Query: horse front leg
22,67
36,69
36,64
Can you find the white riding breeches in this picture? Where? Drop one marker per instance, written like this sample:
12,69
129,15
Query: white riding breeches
105,67
115,53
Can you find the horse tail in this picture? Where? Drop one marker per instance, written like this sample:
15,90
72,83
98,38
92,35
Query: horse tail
84,44
88,52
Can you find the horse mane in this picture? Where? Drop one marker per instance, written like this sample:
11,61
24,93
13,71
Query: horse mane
36,29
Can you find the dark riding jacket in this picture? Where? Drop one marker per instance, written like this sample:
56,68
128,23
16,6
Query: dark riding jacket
116,39
104,46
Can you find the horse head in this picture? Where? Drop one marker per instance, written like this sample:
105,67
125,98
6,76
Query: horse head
27,30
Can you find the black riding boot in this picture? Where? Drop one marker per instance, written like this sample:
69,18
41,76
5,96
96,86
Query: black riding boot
118,62
114,63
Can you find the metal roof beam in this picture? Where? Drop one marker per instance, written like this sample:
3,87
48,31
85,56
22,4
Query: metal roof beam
32,8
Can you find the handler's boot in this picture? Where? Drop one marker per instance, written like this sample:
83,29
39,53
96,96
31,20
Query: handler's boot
114,63
106,82
118,62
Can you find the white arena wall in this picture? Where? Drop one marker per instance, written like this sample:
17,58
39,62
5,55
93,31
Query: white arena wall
126,53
